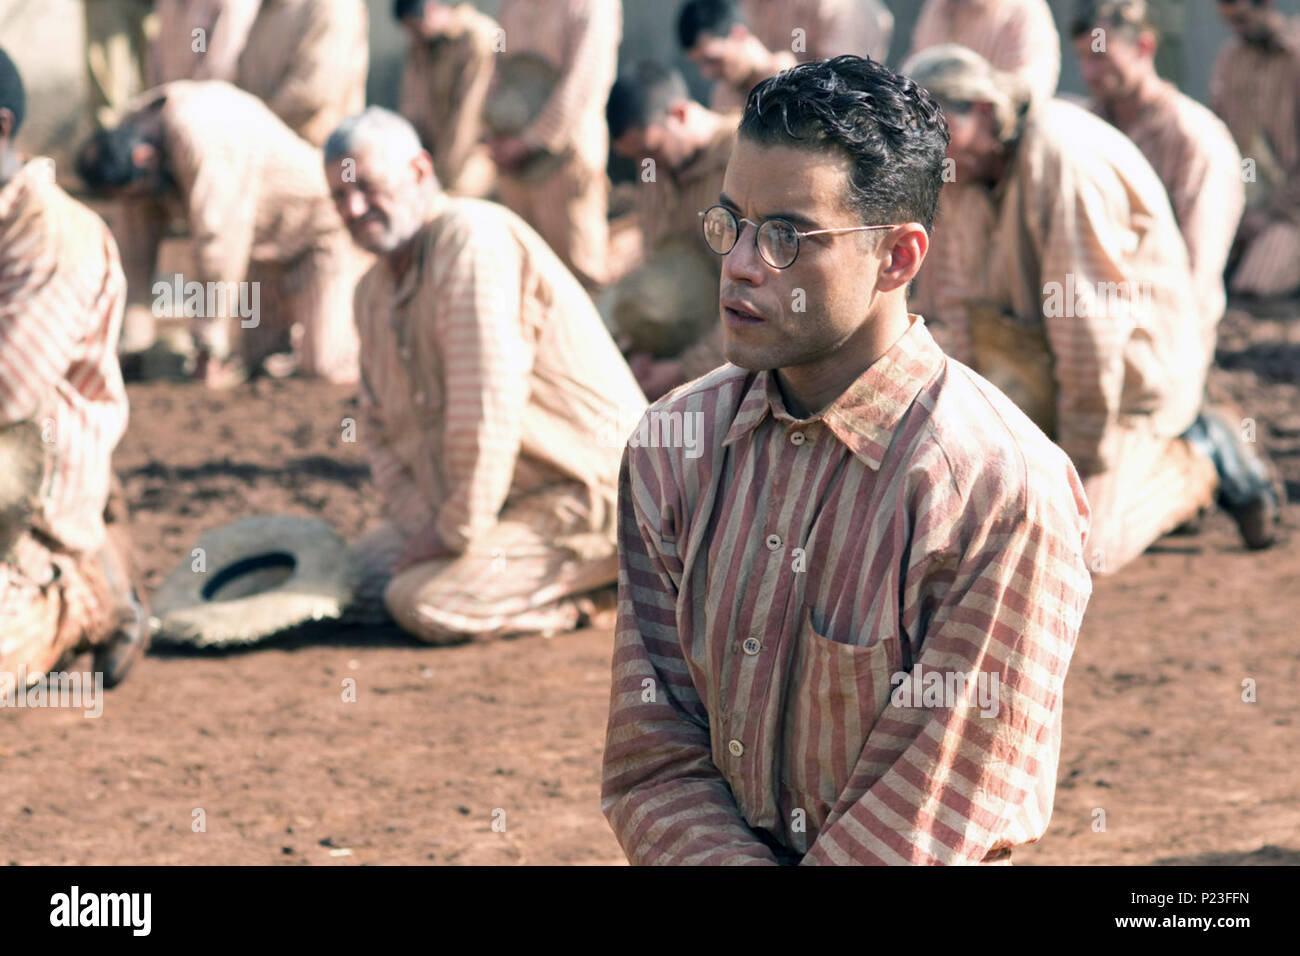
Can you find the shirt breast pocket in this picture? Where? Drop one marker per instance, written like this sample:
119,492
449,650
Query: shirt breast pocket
836,693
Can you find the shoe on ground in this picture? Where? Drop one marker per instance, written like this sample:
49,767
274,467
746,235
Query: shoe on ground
1250,489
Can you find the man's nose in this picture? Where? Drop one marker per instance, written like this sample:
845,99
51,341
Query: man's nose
743,263
353,204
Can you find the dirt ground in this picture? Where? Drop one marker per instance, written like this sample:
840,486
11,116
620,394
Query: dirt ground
439,743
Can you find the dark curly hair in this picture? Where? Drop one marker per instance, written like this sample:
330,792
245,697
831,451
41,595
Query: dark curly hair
12,96
892,130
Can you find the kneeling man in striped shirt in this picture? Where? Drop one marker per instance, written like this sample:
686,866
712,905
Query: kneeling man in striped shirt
845,618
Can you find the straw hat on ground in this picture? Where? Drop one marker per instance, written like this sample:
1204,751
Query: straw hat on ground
253,579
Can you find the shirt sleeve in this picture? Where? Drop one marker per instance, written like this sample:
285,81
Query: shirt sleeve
1085,247
487,363
663,795
234,19
587,73
957,784
319,76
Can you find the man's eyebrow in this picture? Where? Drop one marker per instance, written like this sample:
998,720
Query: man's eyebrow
800,222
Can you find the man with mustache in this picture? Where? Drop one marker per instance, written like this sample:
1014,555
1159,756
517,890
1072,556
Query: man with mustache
492,403
862,508
1255,88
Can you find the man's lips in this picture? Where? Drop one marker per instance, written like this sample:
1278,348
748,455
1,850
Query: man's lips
741,314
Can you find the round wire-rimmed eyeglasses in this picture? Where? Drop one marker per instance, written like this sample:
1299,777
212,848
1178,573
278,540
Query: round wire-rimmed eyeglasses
777,239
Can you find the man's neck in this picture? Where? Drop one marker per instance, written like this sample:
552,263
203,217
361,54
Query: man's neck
1126,110
809,389
401,258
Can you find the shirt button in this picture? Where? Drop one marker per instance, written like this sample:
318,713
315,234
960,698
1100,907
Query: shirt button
404,353
752,646
419,398
735,747
797,438
773,542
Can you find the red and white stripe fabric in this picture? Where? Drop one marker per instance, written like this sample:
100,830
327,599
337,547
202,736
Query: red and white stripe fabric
830,27
1193,154
771,587
62,295
1256,90
1015,36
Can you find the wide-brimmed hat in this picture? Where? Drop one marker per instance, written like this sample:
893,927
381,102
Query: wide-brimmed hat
22,472
522,85
253,579
670,302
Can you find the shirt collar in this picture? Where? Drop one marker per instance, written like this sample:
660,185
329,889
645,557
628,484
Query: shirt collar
867,413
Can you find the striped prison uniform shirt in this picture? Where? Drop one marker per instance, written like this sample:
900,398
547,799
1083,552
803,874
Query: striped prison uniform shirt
580,38
61,299
444,86
771,589
225,25
1015,36
307,60
830,27
486,374
1193,154
1256,91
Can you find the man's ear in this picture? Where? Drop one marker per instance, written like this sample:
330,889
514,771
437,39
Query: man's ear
678,110
903,249
422,163
6,123
1146,44
144,156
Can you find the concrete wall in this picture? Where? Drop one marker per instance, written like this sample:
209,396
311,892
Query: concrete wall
45,38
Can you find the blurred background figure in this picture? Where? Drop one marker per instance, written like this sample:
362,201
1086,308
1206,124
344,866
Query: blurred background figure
568,204
65,577
307,60
493,401
821,29
117,49
1087,268
199,39
254,197
1255,88
1187,145
652,116
713,34
1015,36
445,81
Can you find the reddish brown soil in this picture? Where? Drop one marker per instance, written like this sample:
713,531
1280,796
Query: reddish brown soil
1156,732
